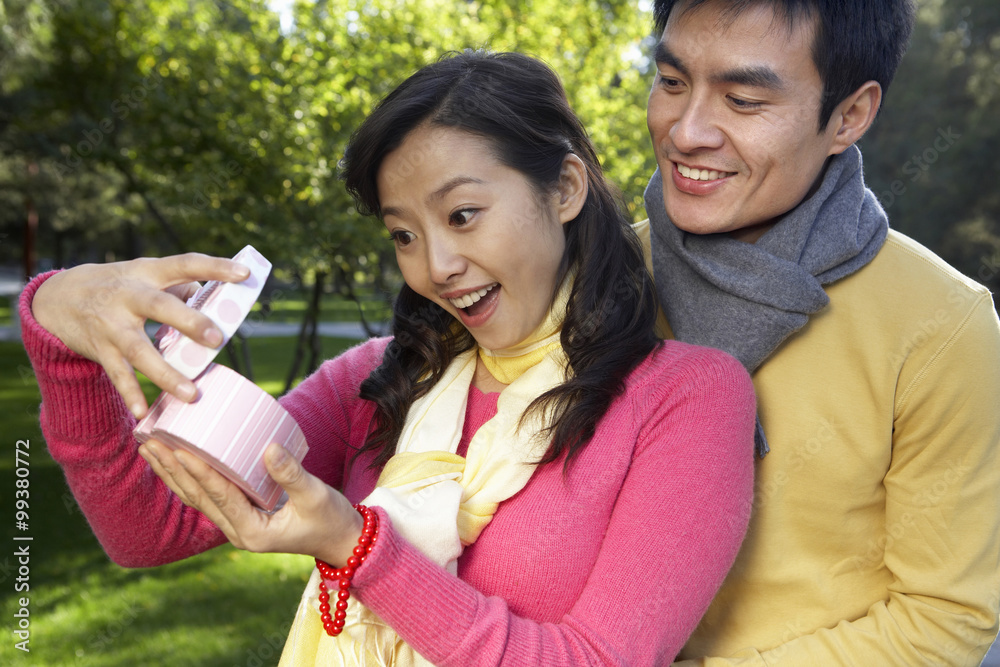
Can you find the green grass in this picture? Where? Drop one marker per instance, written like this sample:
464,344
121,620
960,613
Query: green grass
6,314
223,607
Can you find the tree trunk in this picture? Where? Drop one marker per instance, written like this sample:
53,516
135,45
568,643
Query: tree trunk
136,187
351,295
315,306
30,228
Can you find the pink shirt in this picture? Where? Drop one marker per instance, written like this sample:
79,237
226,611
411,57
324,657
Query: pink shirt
612,561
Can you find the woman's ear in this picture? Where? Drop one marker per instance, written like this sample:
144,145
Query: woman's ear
852,118
572,188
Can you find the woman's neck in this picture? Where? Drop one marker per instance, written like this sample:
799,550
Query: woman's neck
484,381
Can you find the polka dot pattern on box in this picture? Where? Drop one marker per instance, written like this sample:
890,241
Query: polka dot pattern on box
226,304
229,312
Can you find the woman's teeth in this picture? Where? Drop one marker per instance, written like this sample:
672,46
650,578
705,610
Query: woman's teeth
472,297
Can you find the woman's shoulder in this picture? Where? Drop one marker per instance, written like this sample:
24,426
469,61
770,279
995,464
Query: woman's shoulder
345,372
694,400
362,358
674,367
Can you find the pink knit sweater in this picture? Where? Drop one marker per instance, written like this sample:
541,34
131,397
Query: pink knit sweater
611,563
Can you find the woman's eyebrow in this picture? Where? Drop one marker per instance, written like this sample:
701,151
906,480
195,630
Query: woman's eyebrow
400,211
451,185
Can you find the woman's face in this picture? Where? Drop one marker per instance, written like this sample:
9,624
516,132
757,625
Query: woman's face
471,234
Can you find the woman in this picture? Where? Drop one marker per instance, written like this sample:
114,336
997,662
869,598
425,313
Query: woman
549,484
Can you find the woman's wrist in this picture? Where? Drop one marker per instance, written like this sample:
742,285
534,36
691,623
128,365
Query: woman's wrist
333,611
345,539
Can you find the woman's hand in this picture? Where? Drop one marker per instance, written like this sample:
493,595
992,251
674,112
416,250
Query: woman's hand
99,311
316,521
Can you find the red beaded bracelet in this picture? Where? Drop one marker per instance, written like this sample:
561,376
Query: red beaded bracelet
334,624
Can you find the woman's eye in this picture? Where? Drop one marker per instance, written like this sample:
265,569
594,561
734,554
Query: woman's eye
401,238
459,218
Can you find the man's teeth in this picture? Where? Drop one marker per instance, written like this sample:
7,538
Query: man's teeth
701,174
471,297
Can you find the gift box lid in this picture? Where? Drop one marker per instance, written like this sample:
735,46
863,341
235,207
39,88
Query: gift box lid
227,304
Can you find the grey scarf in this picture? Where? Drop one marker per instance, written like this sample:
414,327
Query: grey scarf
747,298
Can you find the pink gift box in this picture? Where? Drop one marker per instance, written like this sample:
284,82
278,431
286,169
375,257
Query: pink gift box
229,427
233,420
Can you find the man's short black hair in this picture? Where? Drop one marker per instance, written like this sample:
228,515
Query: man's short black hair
856,40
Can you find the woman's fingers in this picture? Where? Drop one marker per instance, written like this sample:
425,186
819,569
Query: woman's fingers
200,487
317,520
192,267
175,281
99,311
123,352
301,486
125,382
146,452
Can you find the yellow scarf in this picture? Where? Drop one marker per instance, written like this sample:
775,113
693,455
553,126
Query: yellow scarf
440,502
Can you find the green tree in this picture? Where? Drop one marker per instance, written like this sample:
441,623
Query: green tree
208,126
932,156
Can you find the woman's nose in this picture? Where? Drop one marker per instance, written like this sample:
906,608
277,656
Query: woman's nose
445,262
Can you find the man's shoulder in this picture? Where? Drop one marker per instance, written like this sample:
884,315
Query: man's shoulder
905,307
904,269
903,253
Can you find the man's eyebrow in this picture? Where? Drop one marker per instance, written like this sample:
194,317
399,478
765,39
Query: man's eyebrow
754,76
664,56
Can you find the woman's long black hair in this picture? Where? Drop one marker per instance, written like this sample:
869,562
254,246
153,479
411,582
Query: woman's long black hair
518,104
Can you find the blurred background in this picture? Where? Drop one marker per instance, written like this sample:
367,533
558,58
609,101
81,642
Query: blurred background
146,128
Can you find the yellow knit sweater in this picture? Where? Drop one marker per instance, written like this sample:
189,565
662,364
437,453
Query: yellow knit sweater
875,535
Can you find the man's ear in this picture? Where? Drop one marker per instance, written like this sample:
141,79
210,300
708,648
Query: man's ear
572,188
852,117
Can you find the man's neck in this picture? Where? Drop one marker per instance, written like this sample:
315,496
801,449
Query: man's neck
751,234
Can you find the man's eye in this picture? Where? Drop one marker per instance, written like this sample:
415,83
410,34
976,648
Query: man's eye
744,105
669,82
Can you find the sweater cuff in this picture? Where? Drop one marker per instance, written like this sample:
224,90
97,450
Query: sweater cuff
381,557
420,600
79,402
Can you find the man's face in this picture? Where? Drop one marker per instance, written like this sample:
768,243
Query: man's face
734,118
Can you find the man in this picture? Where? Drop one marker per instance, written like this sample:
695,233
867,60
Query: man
875,535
